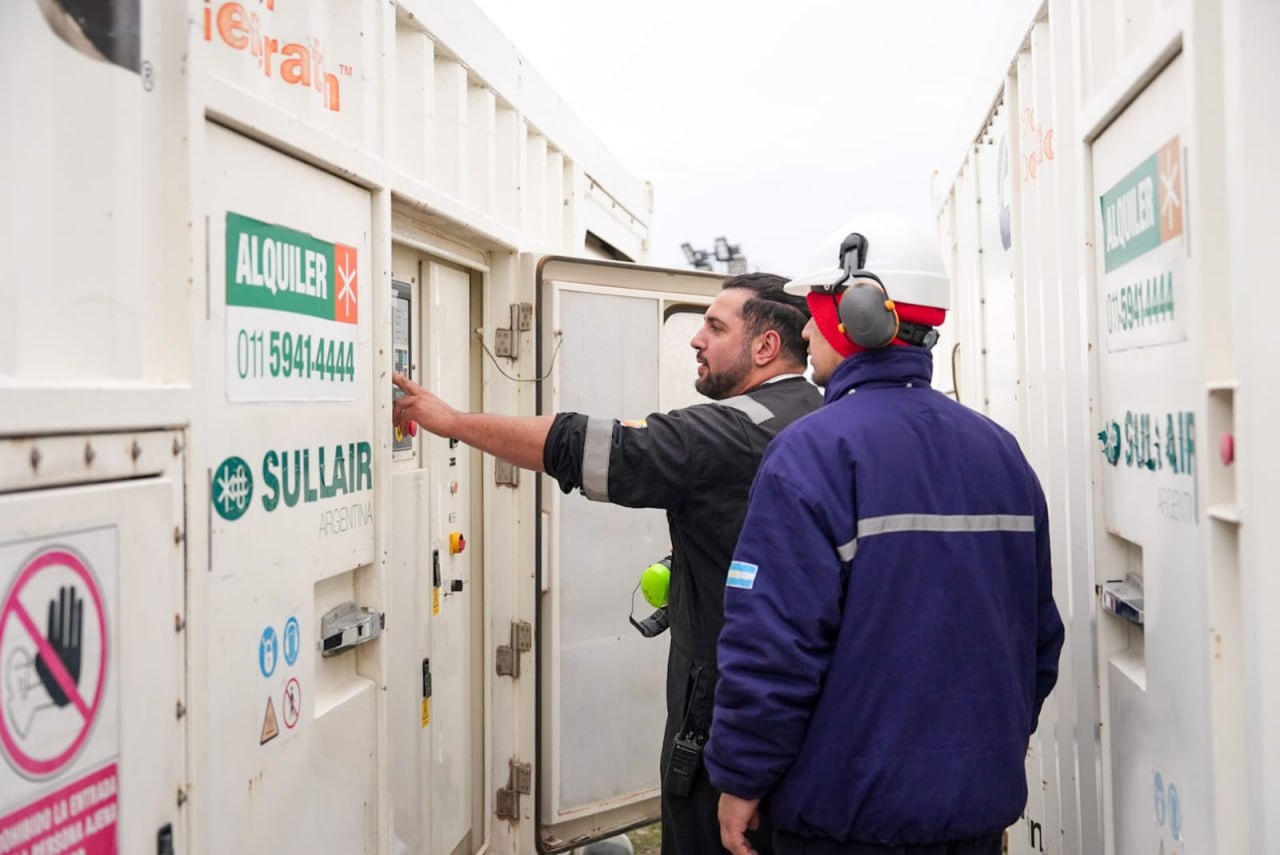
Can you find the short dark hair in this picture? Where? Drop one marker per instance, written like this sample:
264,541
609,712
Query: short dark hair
771,308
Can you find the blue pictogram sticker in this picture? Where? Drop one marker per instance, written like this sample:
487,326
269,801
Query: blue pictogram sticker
268,651
1161,804
1175,813
292,641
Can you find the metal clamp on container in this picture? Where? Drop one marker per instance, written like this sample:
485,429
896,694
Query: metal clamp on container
347,626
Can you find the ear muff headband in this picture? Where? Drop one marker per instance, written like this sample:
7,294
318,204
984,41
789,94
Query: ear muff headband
868,317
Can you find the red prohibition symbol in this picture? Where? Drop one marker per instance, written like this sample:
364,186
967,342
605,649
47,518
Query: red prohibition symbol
62,645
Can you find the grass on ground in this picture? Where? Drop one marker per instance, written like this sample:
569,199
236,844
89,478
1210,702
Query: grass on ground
647,839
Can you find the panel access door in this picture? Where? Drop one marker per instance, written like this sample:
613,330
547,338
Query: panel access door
92,718
614,342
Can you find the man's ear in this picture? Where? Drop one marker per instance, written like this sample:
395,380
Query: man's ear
767,347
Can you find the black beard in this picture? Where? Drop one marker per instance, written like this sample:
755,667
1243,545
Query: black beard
717,386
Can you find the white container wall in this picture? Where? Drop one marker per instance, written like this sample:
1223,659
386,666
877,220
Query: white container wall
1106,295
240,614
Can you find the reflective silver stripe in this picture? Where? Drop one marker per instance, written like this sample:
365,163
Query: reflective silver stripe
945,523
934,522
595,459
752,408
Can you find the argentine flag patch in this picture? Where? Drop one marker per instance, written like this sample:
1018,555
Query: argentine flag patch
742,575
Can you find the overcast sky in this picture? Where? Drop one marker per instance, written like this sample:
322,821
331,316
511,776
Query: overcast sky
769,123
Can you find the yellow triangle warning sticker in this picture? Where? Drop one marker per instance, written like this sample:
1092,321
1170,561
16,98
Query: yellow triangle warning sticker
270,729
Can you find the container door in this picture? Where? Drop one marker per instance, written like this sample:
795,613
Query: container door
93,703
436,605
457,595
290,706
1157,718
615,342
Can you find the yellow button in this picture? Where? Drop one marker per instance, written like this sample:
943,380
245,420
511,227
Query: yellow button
457,542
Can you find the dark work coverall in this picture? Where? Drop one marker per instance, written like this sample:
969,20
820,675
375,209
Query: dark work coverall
697,463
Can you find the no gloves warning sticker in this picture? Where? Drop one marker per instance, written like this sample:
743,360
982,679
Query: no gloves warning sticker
58,723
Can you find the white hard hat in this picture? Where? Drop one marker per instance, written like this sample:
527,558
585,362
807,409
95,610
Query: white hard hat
902,258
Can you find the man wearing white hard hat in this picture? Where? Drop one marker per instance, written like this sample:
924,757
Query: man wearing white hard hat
890,631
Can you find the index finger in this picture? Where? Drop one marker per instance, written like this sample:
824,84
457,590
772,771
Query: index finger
406,385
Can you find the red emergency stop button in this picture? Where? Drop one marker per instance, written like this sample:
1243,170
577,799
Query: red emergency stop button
457,542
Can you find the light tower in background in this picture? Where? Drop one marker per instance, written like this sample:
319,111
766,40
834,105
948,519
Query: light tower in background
730,255
699,259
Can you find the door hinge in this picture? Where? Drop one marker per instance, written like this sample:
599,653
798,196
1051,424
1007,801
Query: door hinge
505,343
507,804
522,777
506,474
508,655
519,782
506,340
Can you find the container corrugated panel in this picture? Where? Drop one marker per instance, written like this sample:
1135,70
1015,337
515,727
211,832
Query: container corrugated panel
1112,210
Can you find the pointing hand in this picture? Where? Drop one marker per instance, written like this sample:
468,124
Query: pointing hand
419,405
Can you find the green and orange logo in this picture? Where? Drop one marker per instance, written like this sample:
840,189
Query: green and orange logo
276,267
1145,208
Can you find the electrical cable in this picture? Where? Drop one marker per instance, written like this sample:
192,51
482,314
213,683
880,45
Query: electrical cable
559,341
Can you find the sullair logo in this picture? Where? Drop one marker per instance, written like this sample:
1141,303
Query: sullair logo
232,488
295,477
310,475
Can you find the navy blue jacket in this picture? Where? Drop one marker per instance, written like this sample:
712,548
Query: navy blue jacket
890,631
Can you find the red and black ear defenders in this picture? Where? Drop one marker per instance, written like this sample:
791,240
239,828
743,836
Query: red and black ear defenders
868,315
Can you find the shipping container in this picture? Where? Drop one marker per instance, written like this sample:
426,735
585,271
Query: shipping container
1106,228
240,613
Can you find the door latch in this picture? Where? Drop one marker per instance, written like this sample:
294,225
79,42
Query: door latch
164,839
347,626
